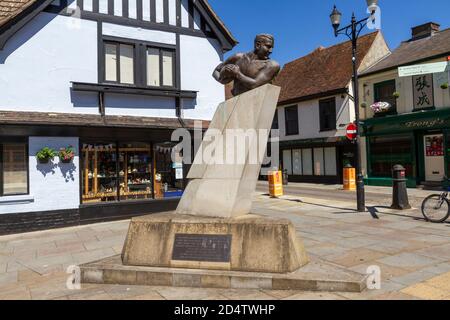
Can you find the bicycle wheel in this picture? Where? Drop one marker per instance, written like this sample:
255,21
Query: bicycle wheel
435,208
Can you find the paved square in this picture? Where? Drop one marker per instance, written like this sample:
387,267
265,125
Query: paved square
414,256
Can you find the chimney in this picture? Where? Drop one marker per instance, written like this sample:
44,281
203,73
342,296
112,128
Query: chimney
424,30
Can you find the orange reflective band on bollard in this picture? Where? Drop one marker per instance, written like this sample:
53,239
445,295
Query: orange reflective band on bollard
275,183
349,179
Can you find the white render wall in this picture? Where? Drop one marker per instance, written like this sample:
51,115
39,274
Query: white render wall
199,58
309,119
39,63
52,186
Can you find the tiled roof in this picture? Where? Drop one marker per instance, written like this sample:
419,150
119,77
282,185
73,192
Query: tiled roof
11,8
89,120
324,70
414,51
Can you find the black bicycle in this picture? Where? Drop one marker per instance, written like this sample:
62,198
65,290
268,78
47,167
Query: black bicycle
436,208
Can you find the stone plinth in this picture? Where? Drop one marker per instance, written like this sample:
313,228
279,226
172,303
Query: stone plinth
223,185
257,244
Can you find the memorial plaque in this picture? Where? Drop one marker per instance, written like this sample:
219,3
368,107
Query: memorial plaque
202,247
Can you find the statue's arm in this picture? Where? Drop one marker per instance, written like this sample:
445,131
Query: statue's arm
230,60
266,76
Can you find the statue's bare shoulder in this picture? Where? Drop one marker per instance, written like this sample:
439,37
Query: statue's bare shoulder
249,70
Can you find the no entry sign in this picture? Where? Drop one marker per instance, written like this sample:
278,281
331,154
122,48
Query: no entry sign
352,131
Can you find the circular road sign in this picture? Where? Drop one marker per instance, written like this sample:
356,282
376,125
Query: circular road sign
352,131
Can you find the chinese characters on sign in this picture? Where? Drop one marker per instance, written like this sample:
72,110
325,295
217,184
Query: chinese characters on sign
423,91
434,146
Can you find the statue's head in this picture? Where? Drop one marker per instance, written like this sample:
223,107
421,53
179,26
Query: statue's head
264,46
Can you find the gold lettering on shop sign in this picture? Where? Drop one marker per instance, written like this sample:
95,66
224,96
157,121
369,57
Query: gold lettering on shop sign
425,123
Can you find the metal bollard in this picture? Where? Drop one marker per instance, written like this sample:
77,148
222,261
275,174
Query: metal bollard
285,177
399,193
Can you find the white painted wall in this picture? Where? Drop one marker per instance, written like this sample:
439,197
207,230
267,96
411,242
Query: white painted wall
52,186
116,30
39,62
199,57
309,119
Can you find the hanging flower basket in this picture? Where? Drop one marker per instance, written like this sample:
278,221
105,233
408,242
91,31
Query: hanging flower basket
381,107
66,155
444,86
45,155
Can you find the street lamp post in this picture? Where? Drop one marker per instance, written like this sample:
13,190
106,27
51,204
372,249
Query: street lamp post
353,31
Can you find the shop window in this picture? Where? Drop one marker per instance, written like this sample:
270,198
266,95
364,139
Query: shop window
307,163
135,171
384,92
387,151
297,162
291,120
319,163
330,161
287,161
129,171
327,111
13,169
119,63
169,172
99,174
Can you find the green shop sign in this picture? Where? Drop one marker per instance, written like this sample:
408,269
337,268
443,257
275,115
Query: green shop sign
426,120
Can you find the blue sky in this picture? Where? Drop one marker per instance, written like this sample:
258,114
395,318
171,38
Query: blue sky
300,26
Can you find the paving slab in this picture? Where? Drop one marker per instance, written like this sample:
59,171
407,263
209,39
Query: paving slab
409,260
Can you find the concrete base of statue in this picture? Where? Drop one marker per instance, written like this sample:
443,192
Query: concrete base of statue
249,243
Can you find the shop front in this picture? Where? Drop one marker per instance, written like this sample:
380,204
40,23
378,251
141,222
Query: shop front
317,160
116,173
418,141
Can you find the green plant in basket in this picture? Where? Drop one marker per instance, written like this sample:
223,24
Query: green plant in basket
45,155
67,154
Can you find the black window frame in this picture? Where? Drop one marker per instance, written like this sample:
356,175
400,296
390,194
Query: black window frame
161,68
4,141
117,44
295,129
139,62
392,100
324,111
275,124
